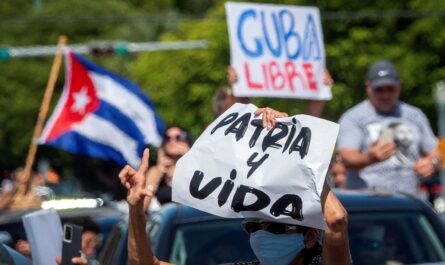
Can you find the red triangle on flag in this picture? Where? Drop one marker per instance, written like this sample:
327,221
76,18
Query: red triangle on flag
80,97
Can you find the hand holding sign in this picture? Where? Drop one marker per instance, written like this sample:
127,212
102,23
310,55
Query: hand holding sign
269,116
134,181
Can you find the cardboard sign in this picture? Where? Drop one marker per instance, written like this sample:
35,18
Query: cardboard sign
237,168
44,232
277,51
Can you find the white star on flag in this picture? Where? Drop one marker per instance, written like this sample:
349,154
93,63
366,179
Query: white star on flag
81,100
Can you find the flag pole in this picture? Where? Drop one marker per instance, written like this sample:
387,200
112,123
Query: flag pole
44,108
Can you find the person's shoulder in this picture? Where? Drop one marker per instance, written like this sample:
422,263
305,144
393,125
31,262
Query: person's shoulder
411,111
313,256
357,111
408,107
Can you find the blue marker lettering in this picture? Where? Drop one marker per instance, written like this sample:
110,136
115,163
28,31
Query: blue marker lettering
311,42
277,51
289,34
259,49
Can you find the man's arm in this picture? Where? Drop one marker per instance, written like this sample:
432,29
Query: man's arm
139,250
429,164
356,160
335,240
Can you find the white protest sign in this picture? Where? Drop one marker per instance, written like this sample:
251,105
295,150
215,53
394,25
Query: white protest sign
277,51
237,168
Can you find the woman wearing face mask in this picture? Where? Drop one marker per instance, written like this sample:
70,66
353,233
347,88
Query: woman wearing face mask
272,243
277,243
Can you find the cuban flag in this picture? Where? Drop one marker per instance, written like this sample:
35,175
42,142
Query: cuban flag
101,114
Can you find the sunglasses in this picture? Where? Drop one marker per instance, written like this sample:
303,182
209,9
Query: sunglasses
384,89
274,228
179,137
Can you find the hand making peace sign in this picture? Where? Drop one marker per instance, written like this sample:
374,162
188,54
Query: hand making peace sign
134,181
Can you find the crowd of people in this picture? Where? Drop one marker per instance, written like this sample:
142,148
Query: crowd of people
384,145
19,192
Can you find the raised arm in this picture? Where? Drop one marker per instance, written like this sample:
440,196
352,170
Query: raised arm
139,250
315,107
377,152
335,240
428,164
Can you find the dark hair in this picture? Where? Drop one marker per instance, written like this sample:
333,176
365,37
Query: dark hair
90,225
186,132
313,254
336,158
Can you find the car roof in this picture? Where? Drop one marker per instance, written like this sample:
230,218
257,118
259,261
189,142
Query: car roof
360,200
183,214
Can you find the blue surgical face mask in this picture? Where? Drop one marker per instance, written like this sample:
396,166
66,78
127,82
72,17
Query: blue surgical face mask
276,249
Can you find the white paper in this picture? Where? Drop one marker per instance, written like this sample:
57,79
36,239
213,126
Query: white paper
44,232
277,51
284,175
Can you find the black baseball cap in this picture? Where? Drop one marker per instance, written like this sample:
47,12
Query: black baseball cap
383,73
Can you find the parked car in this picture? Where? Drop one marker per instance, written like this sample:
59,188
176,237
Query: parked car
393,228
383,228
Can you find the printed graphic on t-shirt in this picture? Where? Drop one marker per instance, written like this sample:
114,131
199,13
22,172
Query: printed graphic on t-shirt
399,133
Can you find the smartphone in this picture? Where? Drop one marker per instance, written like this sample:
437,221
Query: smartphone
72,242
386,135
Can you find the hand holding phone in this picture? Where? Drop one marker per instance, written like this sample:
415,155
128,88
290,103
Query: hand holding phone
386,135
72,242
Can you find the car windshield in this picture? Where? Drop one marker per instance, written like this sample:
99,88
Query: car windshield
399,238
211,242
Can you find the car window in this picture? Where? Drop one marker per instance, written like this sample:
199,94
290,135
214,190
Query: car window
114,251
399,237
210,242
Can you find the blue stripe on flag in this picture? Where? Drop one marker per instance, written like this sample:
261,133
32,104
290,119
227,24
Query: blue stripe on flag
113,115
76,143
132,87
